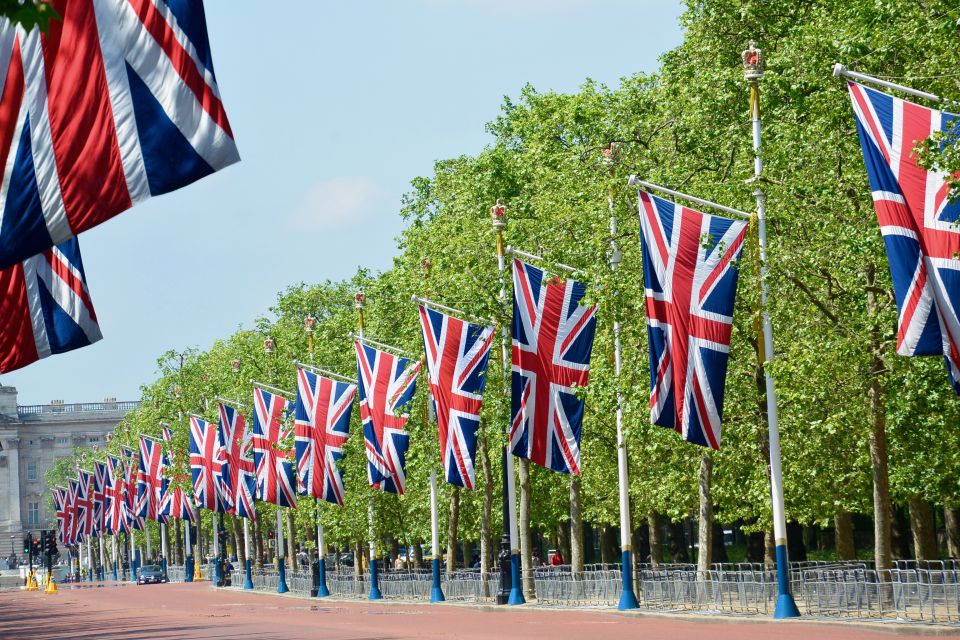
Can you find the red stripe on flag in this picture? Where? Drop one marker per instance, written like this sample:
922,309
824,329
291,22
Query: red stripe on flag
10,103
17,345
81,120
184,64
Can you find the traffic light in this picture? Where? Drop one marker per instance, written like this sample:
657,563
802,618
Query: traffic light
27,543
37,548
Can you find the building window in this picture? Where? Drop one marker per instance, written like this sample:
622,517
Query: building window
33,513
31,471
30,442
62,441
94,439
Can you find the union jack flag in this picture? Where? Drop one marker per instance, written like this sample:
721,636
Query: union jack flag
243,481
690,282
175,502
457,354
552,342
115,104
918,222
387,384
99,496
63,515
72,531
83,504
131,463
321,426
276,480
149,479
166,433
114,489
209,466
46,308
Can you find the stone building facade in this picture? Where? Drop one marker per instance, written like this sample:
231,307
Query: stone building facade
32,437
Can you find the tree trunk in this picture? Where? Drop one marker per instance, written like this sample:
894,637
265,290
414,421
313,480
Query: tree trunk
357,560
843,535
656,539
486,519
418,555
769,549
878,436
705,532
678,544
924,530
576,527
452,530
258,544
467,546
951,520
526,539
239,543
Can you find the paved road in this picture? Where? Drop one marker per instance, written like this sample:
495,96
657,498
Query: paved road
198,611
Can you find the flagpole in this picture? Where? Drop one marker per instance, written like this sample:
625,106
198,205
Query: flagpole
216,549
248,568
163,548
628,599
436,594
116,557
786,606
281,567
101,571
146,531
322,591
359,302
510,591
188,561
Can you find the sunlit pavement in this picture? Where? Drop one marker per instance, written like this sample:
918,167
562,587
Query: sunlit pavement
123,610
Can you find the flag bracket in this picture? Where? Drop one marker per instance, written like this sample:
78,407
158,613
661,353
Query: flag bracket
336,376
374,343
443,307
267,387
533,256
840,70
634,181
233,403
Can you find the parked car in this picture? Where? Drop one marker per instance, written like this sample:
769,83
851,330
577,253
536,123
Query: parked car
151,574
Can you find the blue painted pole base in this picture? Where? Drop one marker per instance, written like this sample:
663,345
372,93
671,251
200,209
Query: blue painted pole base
436,594
281,577
188,570
114,570
163,565
248,575
322,591
375,593
516,587
786,606
628,599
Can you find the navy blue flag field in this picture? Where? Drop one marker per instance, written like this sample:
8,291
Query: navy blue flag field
690,282
552,343
918,221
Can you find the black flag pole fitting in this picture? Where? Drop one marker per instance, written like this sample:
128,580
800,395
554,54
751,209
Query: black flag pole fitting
271,388
841,71
443,307
374,343
634,181
533,256
324,372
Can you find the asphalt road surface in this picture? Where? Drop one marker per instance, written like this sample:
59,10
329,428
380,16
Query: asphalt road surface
198,611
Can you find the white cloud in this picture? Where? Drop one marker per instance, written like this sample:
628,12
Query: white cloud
337,203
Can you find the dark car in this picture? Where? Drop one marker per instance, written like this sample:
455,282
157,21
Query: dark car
151,573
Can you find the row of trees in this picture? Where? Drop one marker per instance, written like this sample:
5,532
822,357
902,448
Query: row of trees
862,429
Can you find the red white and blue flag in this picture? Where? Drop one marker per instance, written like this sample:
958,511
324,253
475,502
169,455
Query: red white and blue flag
72,531
149,479
690,283
99,496
387,384
209,466
115,521
918,221
131,465
552,343
276,477
83,503
457,355
118,102
45,307
243,479
63,515
321,426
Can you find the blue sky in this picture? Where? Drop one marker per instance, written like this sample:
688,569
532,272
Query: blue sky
336,106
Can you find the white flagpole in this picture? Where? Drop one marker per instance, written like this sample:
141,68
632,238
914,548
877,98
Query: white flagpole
499,217
133,554
146,530
103,565
375,593
436,594
281,567
116,556
248,582
786,607
89,561
163,547
628,599
188,553
216,551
